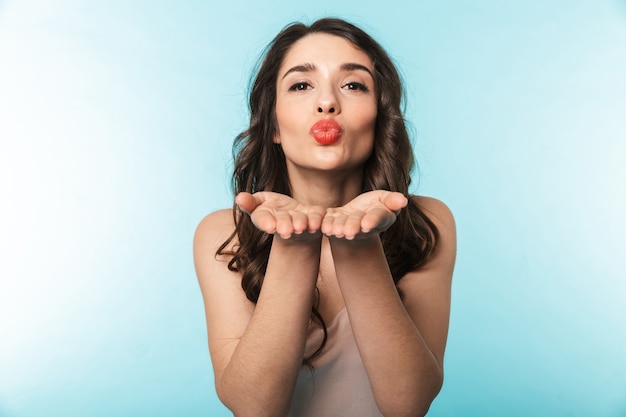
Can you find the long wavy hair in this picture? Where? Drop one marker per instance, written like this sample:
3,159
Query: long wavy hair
259,163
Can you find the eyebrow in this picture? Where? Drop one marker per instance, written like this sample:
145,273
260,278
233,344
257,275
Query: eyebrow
350,66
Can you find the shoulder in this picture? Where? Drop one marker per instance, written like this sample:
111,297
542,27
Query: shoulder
441,215
211,233
436,210
216,226
215,232
217,220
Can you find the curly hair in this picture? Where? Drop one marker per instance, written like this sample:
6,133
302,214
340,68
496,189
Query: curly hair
259,163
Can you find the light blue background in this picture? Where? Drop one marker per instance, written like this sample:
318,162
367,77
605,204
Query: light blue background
116,122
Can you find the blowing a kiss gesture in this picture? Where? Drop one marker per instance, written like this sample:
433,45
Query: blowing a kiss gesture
369,213
311,309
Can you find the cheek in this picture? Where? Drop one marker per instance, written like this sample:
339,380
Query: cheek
280,123
369,127
367,133
286,118
368,113
367,122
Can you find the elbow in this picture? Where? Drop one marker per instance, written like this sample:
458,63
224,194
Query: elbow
232,401
413,403
424,405
225,398
248,405
238,406
428,395
241,408
418,407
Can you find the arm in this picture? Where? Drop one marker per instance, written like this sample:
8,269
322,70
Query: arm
400,332
257,350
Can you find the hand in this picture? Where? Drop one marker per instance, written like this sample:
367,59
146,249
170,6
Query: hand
369,213
280,214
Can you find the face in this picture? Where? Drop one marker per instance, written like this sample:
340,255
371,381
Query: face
326,105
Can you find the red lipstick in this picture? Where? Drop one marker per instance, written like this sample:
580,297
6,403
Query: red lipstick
326,132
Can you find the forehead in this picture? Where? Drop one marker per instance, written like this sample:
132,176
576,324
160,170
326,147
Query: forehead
325,49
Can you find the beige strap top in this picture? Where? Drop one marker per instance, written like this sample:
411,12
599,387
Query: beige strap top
338,385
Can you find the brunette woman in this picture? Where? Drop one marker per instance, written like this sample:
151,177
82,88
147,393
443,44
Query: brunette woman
326,286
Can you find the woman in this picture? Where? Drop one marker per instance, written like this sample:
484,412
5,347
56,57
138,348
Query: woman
326,287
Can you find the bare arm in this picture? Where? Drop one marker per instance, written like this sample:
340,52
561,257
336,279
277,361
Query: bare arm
401,339
257,351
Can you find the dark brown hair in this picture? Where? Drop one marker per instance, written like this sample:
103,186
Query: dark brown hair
259,163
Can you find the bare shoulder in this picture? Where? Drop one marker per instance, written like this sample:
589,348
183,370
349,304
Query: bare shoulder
437,211
441,215
212,232
214,227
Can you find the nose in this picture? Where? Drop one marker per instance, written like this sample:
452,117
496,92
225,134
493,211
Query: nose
326,109
328,103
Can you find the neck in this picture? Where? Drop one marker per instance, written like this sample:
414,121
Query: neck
325,189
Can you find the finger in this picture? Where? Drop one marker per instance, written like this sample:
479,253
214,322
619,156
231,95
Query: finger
246,202
327,222
299,221
350,225
315,217
284,224
377,219
249,202
395,201
264,220
339,224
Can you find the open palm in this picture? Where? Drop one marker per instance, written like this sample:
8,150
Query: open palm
280,214
369,213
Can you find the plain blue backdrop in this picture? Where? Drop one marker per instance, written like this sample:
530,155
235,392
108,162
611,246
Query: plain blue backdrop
116,124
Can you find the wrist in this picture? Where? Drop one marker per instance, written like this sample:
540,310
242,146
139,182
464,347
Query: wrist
303,241
360,243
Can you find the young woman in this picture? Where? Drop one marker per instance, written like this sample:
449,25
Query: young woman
327,286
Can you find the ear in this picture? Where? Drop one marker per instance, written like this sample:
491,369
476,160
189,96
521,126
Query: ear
276,138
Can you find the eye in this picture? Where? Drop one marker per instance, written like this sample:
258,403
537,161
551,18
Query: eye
356,86
300,86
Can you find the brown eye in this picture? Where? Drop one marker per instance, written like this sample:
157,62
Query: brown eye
355,86
299,87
